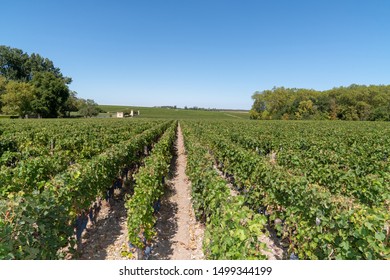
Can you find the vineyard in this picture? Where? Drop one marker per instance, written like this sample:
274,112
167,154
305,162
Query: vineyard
322,186
321,190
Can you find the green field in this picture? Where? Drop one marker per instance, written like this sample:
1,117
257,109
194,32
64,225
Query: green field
179,114
322,187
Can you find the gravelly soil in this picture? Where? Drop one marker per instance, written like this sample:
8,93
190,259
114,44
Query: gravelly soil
107,238
179,236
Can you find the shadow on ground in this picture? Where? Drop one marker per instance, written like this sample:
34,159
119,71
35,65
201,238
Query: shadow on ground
106,230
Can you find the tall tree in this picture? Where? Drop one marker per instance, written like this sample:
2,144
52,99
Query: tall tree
51,95
17,65
88,108
72,104
17,98
50,86
13,64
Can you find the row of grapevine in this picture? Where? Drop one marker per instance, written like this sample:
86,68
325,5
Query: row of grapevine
39,137
148,190
30,164
233,231
38,224
315,223
348,162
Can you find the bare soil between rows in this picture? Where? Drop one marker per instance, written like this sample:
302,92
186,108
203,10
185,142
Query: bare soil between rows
179,235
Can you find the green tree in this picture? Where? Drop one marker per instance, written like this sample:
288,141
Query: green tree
17,65
38,64
51,95
306,109
363,110
3,83
17,98
355,102
88,108
72,104
259,106
13,64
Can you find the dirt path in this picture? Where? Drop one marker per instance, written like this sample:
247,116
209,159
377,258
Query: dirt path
179,235
107,238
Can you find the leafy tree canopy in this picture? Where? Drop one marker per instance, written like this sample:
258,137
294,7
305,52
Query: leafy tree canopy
17,98
88,108
18,65
31,84
356,102
51,95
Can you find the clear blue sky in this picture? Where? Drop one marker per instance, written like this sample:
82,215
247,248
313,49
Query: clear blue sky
206,53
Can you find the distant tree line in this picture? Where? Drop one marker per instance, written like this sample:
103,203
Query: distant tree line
30,85
167,107
200,108
190,108
355,102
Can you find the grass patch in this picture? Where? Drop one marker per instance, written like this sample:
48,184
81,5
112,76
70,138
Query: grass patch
178,114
